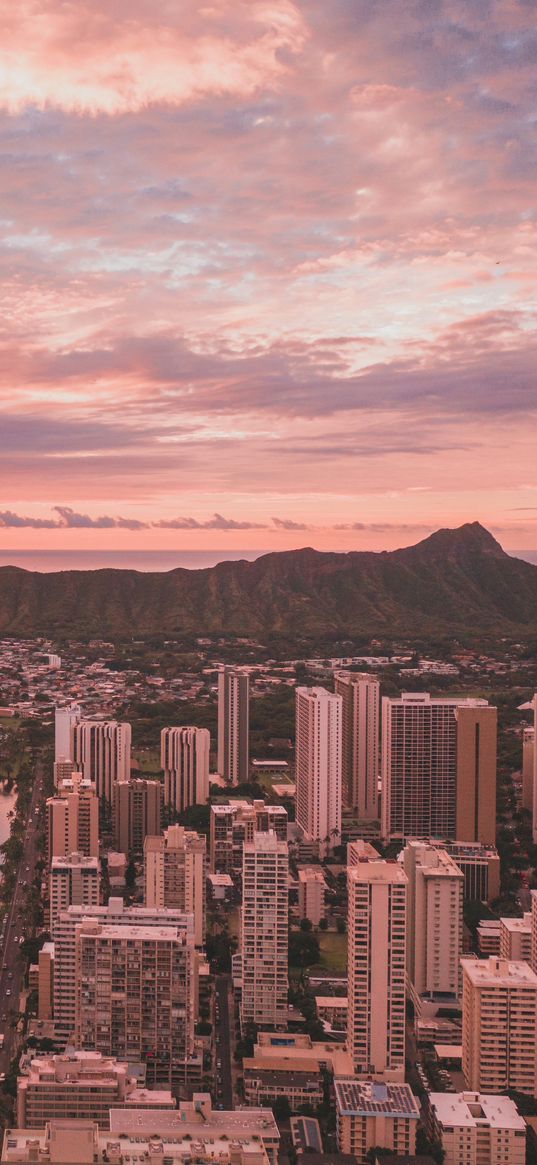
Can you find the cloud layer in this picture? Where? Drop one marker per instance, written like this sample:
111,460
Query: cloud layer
267,258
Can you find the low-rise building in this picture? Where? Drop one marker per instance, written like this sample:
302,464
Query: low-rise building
477,1129
333,1010
81,1085
371,1113
299,1080
311,891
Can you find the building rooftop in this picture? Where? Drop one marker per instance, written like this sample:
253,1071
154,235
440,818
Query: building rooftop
371,1097
377,870
311,874
499,972
518,925
189,1119
472,1109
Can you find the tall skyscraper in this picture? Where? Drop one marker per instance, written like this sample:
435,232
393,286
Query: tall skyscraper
360,751
136,813
499,1026
534,806
376,968
528,760
65,719
174,874
438,763
74,881
264,931
233,725
184,756
318,765
73,819
135,996
434,920
102,752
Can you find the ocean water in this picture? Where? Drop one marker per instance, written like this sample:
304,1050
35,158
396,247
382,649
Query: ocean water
47,561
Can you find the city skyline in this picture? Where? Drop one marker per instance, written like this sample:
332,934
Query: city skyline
268,275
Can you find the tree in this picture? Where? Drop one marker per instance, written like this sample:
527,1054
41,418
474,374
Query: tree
323,924
340,925
130,874
304,949
281,1108
306,924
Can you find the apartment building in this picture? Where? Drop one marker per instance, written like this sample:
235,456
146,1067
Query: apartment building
184,757
264,931
371,1113
434,921
73,819
234,822
319,765
476,1129
499,1026
136,813
73,881
101,750
360,742
83,1086
233,724
376,968
175,867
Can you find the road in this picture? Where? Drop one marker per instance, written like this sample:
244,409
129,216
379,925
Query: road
223,1044
12,966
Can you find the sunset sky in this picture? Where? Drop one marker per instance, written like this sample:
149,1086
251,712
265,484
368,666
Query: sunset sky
268,272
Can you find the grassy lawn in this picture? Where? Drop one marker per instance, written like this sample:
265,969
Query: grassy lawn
148,759
333,951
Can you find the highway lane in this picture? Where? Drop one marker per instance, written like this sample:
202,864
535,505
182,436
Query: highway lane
12,965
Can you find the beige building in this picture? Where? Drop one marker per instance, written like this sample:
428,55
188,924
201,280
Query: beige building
233,724
477,1130
63,770
235,821
333,1010
115,913
499,1026
135,996
264,931
371,1113
515,938
73,881
360,745
73,819
45,982
65,719
134,1139
533,705
434,920
311,891
81,1085
175,872
360,849
299,1080
377,968
319,765
136,813
184,757
101,750
438,768
480,865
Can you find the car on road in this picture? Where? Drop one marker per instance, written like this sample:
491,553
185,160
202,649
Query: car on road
8,990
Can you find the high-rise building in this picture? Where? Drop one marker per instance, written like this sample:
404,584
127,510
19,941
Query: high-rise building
534,808
360,743
64,722
63,770
114,914
473,1128
174,874
102,752
434,920
73,819
82,1086
264,931
235,821
74,881
233,724
136,813
318,765
438,763
376,968
135,996
499,1026
184,757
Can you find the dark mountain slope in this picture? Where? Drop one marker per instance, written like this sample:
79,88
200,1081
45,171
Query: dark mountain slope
454,580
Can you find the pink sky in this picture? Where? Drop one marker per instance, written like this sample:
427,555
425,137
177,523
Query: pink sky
268,272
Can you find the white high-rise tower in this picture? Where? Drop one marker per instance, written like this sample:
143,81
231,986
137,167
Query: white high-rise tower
318,765
360,694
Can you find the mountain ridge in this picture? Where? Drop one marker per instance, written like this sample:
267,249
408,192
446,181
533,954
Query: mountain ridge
451,580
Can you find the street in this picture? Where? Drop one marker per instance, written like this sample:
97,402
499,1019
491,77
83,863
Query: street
222,1020
12,967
